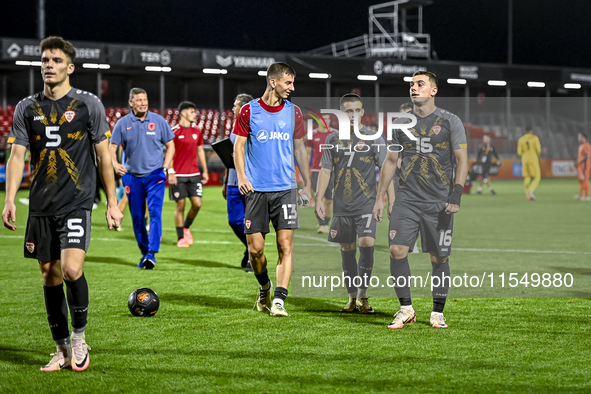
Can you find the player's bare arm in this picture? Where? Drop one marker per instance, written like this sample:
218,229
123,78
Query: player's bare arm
168,157
203,162
323,179
302,159
171,174
244,184
104,159
14,173
119,168
461,174
391,197
386,176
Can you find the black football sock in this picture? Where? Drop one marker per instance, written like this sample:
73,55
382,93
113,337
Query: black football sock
365,266
263,280
188,222
179,233
349,264
57,311
77,291
400,271
439,292
280,294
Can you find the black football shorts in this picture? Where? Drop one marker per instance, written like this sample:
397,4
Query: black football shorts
187,186
346,229
47,236
280,208
429,219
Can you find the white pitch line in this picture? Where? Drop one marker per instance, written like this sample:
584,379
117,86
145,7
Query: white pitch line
519,251
324,242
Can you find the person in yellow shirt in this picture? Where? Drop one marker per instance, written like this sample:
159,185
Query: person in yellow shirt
529,149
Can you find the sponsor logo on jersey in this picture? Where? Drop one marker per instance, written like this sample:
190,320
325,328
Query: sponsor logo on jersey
38,117
30,246
181,136
129,128
69,115
150,133
436,129
333,233
392,234
151,126
73,241
262,136
277,135
281,124
248,223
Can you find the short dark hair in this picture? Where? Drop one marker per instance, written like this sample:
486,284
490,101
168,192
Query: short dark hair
53,42
134,91
349,98
243,98
528,128
277,70
432,77
186,105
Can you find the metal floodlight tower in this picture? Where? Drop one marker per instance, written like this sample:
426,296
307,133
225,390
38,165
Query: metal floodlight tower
390,33
390,29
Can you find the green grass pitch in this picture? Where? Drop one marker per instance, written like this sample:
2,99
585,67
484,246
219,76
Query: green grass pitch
207,338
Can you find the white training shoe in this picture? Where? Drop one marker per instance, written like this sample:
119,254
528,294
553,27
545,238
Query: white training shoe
80,357
263,302
61,359
278,310
437,320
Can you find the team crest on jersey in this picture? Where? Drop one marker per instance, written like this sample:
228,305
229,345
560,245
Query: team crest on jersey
151,126
436,129
69,115
360,145
247,224
333,233
392,234
30,246
281,124
195,136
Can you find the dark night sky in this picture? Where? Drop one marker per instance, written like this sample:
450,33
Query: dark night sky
545,33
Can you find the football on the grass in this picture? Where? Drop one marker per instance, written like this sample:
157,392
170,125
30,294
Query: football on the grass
143,302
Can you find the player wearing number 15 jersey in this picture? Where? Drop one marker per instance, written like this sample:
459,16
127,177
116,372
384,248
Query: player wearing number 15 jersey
354,163
65,129
428,194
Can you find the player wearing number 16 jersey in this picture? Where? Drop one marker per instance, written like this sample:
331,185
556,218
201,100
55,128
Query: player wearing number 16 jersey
64,128
354,163
428,194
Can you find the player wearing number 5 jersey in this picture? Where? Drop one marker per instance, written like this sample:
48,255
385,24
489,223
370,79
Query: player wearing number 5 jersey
64,128
269,132
529,149
353,162
427,196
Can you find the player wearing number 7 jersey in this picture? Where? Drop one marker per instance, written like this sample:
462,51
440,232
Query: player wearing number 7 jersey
269,132
428,194
354,162
64,128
